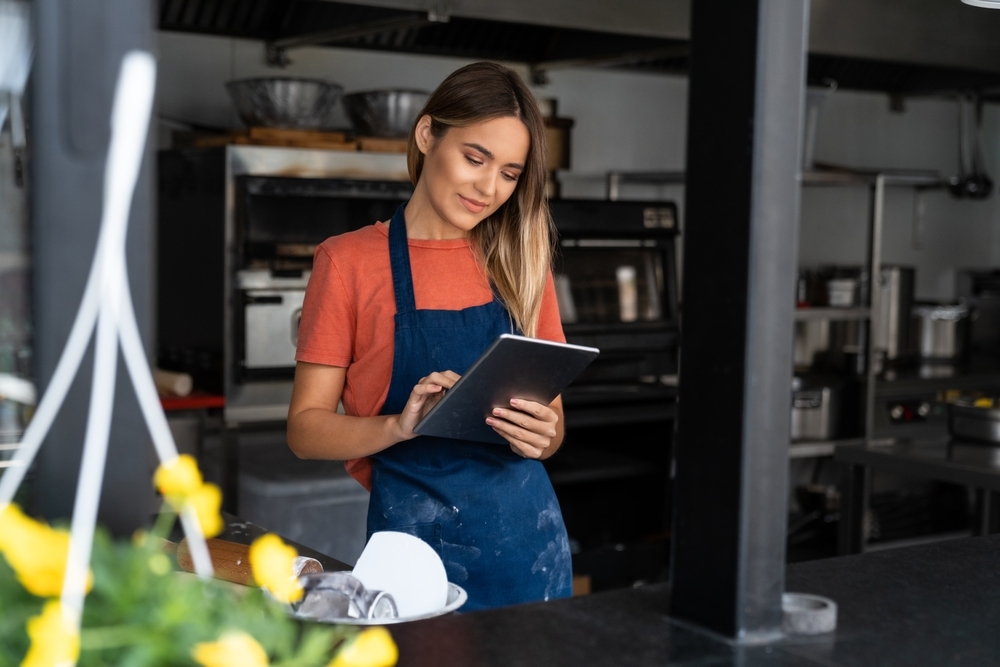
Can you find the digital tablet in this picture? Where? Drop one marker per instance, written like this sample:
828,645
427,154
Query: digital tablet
512,367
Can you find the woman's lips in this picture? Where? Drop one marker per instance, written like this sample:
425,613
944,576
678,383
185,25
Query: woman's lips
472,205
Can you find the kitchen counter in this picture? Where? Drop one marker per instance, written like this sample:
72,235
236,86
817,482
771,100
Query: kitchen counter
935,604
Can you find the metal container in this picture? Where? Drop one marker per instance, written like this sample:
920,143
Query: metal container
895,305
384,113
842,292
967,421
939,330
815,409
284,102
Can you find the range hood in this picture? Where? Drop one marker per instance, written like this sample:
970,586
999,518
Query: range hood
906,47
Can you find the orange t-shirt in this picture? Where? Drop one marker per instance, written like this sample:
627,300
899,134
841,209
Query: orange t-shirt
347,316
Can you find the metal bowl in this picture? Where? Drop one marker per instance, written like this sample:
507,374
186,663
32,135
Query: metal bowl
284,102
384,113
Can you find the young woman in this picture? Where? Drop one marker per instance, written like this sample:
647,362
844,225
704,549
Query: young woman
395,313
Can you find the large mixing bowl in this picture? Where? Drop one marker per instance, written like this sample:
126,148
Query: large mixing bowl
384,113
284,102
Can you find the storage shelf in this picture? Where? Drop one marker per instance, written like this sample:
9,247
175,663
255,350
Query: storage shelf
920,179
803,314
815,448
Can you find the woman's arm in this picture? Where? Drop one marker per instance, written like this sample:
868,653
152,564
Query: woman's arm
317,431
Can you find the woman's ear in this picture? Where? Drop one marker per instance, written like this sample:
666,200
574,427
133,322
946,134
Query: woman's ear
422,134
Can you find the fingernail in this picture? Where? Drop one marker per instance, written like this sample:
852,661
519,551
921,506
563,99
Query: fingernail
497,412
515,401
490,421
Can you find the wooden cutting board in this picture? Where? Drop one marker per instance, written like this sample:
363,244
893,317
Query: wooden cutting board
273,136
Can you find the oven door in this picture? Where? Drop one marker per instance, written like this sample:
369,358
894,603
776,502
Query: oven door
271,330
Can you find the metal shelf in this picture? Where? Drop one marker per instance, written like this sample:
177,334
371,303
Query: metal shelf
920,179
814,448
803,314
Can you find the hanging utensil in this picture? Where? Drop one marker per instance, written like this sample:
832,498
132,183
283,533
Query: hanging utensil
972,181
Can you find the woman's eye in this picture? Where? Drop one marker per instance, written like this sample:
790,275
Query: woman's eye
510,177
474,161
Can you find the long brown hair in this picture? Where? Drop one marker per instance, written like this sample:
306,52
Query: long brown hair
515,241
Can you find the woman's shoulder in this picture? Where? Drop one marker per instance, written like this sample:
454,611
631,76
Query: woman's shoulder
355,244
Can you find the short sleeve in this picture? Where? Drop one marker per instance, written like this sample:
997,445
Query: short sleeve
328,324
549,324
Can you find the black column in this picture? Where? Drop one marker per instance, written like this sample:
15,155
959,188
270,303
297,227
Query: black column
79,47
744,134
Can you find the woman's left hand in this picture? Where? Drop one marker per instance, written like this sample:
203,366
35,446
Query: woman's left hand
531,428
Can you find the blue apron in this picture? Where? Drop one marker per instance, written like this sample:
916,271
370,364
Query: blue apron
490,514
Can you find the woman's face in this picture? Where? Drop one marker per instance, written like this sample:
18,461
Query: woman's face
471,171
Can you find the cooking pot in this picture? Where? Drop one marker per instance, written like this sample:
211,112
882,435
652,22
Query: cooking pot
939,330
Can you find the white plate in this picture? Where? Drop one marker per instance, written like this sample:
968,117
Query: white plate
456,598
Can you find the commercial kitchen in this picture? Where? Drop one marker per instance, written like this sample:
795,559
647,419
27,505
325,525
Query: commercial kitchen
777,220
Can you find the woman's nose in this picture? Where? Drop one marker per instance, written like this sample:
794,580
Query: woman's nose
487,184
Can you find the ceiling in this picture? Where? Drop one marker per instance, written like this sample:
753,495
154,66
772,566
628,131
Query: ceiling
286,24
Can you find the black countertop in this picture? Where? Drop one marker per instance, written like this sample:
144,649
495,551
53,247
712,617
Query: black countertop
936,604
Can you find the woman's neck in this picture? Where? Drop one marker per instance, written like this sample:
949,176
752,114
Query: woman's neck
423,221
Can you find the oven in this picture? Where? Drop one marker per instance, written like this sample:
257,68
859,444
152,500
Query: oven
616,284
279,222
238,229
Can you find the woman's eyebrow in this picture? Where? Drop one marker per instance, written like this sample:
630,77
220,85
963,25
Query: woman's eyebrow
488,153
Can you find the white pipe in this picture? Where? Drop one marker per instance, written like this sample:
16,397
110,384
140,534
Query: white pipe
130,126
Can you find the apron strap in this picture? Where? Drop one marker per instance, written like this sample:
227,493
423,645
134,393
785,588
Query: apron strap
399,259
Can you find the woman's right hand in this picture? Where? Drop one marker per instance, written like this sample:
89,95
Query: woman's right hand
424,396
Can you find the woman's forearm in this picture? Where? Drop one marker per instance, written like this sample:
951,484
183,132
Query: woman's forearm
317,433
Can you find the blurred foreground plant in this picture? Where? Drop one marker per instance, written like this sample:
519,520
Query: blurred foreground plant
142,611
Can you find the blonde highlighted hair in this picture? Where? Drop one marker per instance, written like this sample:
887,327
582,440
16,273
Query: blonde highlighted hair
515,241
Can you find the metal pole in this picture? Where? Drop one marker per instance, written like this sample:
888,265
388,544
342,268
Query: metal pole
744,155
874,301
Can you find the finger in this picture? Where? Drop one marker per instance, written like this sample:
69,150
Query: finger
524,450
446,379
539,410
514,432
526,423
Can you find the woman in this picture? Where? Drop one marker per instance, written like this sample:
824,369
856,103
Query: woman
394,314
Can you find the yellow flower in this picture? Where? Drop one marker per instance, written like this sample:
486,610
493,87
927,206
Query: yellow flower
181,483
272,562
207,500
53,639
233,649
373,647
179,478
36,552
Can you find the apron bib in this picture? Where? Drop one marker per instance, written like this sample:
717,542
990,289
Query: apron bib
490,514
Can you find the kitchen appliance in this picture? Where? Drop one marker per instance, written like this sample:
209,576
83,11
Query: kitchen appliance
980,289
815,408
238,229
966,419
284,102
616,284
939,330
384,113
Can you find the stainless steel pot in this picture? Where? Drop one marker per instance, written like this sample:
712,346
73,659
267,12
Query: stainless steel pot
939,330
896,302
384,113
815,409
284,102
